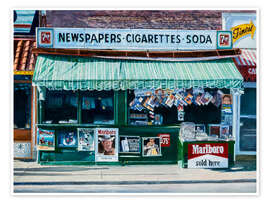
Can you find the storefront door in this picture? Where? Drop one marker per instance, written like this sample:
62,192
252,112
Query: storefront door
247,143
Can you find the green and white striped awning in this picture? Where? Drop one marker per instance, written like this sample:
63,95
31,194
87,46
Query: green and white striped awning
73,73
76,73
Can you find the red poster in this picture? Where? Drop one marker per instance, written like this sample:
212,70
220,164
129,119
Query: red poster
165,140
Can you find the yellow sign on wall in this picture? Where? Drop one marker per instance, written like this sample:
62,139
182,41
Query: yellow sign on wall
23,72
243,30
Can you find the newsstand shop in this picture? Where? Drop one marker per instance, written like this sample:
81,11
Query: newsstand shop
129,96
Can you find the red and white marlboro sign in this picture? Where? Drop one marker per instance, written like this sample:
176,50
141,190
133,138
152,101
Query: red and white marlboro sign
208,155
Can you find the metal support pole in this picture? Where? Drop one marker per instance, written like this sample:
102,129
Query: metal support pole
34,124
236,119
79,108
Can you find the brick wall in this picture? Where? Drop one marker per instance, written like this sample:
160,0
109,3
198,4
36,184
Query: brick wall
136,19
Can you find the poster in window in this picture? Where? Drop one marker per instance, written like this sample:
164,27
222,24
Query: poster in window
214,130
199,128
45,139
151,146
106,141
86,138
129,144
225,131
226,104
67,139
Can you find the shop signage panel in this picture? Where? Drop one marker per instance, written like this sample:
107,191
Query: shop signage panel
243,27
106,144
165,140
151,146
130,144
208,155
45,139
86,137
131,39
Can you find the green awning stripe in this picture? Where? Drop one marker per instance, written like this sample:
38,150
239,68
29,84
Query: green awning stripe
73,73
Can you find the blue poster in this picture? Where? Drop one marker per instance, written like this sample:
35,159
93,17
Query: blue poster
67,139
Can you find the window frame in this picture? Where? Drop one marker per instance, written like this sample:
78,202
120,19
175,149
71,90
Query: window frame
29,105
127,114
79,95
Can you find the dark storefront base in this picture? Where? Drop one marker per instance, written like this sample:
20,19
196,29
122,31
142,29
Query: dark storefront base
170,154
73,157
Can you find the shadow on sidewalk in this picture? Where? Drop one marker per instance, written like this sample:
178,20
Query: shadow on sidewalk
239,166
60,169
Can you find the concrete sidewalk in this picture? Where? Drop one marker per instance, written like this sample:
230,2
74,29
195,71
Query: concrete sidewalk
31,173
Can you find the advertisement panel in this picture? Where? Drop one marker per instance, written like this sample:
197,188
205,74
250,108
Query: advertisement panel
165,140
243,27
151,146
45,139
106,144
130,144
208,155
140,39
86,137
67,139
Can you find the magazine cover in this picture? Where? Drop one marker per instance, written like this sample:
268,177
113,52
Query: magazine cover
227,104
130,144
224,131
45,139
216,100
67,139
199,128
227,119
188,98
86,139
197,99
170,100
151,146
214,130
106,141
206,98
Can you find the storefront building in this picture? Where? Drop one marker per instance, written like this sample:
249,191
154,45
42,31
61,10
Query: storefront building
136,96
25,23
244,28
